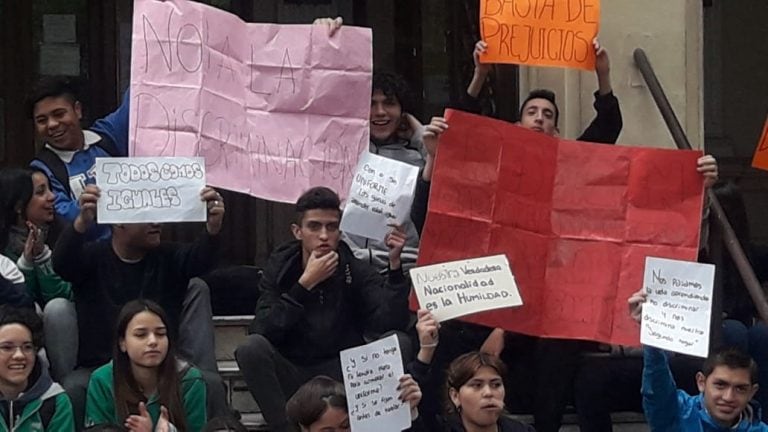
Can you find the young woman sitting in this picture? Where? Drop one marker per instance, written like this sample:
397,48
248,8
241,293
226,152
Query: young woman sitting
146,387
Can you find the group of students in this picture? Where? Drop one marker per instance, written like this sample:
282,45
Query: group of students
128,329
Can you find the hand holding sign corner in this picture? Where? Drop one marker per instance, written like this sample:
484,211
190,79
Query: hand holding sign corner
88,202
215,205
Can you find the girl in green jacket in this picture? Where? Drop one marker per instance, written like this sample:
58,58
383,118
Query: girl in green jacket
145,387
29,400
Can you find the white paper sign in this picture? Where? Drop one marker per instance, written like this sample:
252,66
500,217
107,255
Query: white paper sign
381,194
677,314
458,288
371,376
149,189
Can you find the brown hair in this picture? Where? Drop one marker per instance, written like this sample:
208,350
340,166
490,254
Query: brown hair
312,399
127,392
464,368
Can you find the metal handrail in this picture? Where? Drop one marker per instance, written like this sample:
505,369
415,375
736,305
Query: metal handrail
732,243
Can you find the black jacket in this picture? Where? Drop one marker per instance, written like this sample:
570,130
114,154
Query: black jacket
103,284
308,327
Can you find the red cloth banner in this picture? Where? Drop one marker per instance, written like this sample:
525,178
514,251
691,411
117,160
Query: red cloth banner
576,221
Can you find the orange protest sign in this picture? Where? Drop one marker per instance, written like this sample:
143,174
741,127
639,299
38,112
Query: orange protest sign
761,153
540,32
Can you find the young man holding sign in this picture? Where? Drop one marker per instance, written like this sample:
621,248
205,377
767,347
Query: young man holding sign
69,154
539,111
554,361
317,299
133,264
727,383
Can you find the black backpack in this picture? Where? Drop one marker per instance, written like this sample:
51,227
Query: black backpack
59,169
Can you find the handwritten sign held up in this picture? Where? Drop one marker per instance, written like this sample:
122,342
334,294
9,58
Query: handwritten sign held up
677,315
150,189
576,221
381,194
761,153
371,377
458,288
273,109
540,32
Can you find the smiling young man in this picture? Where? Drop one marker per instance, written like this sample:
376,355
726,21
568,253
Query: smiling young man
69,152
727,383
317,299
389,121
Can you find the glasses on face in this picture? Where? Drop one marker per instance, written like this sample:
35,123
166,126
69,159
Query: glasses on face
8,349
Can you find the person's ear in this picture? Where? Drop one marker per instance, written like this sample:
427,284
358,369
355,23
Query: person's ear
78,110
454,395
556,133
701,382
122,345
296,230
754,389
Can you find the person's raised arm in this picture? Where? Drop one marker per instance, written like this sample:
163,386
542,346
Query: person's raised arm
602,68
115,125
395,241
430,137
68,254
427,329
481,71
607,124
383,299
658,389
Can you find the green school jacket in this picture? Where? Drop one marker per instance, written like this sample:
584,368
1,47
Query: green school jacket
30,419
100,402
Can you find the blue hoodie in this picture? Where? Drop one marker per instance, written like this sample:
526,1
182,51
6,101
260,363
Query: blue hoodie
668,409
81,163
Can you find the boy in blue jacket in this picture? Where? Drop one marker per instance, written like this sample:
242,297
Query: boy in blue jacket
727,383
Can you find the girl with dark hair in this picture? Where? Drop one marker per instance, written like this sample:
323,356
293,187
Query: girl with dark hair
320,405
475,386
29,399
27,206
146,387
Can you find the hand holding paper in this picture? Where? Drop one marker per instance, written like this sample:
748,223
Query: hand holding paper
410,393
458,288
396,242
636,305
707,167
677,313
88,202
215,204
427,329
377,388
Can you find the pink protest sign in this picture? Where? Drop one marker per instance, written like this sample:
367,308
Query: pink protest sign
273,109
